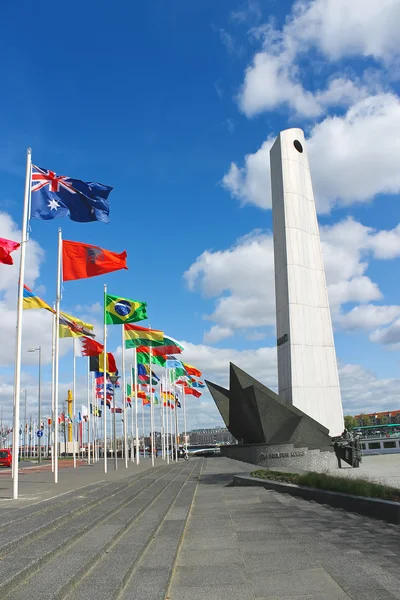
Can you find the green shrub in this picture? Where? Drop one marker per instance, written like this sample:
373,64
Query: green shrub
334,483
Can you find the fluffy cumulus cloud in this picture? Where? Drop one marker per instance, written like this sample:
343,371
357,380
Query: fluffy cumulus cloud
353,158
241,278
339,28
332,29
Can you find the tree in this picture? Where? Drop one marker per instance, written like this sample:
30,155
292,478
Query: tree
349,422
365,420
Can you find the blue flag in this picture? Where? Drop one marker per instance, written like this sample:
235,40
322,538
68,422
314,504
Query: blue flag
174,364
54,196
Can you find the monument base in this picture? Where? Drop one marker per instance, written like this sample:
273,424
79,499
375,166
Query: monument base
271,433
283,456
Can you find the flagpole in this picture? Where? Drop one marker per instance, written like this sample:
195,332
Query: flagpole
176,421
136,409
144,443
184,415
151,410
132,392
88,407
105,380
124,398
74,424
20,306
54,417
162,424
57,349
166,420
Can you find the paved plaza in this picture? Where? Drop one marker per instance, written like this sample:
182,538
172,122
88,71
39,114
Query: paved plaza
182,532
384,468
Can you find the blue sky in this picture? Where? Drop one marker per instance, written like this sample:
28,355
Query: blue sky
175,105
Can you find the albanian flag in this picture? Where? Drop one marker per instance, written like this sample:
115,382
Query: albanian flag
80,261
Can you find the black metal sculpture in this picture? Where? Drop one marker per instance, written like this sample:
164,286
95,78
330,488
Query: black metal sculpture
348,448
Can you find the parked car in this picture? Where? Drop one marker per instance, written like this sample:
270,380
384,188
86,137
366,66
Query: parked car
5,457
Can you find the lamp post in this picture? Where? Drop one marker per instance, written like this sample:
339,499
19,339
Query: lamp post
39,349
114,379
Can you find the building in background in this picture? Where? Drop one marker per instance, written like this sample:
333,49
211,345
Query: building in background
217,435
386,417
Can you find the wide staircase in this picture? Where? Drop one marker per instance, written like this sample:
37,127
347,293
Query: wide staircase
105,541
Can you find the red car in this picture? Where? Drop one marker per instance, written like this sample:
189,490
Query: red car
5,457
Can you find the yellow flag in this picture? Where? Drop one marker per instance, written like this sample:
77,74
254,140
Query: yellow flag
74,327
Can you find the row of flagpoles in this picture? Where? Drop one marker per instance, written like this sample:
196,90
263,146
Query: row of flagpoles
49,196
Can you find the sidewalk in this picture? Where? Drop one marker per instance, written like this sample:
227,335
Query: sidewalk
247,543
36,483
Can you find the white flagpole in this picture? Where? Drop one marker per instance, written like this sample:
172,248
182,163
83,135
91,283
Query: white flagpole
89,420
144,443
166,420
151,410
105,381
54,417
184,415
132,392
162,423
57,349
124,399
74,423
136,409
176,420
18,341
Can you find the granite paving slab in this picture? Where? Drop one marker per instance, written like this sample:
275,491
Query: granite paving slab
273,546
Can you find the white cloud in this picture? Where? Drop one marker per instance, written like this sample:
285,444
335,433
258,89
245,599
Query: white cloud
216,334
353,158
341,28
341,92
270,81
387,335
367,317
241,278
334,28
362,391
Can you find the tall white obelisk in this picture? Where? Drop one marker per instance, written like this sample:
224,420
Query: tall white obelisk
307,368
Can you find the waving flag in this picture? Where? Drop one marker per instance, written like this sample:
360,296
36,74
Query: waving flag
121,310
55,196
169,346
91,347
6,247
31,300
143,357
80,261
190,370
135,335
73,327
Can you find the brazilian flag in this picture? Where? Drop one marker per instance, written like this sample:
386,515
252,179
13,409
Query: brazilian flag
121,310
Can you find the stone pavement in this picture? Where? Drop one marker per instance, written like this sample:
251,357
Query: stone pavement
384,468
246,543
182,532
36,482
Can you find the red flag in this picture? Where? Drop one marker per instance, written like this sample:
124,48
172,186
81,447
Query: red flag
190,370
91,347
191,391
80,261
6,247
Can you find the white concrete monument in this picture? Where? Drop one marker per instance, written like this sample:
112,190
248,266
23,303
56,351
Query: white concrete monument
307,368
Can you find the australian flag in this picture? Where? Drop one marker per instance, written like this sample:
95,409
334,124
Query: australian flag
54,196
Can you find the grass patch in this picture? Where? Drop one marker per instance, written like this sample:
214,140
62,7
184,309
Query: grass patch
323,481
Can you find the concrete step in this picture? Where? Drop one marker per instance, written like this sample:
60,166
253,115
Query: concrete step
96,553
48,515
151,577
28,556
108,578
